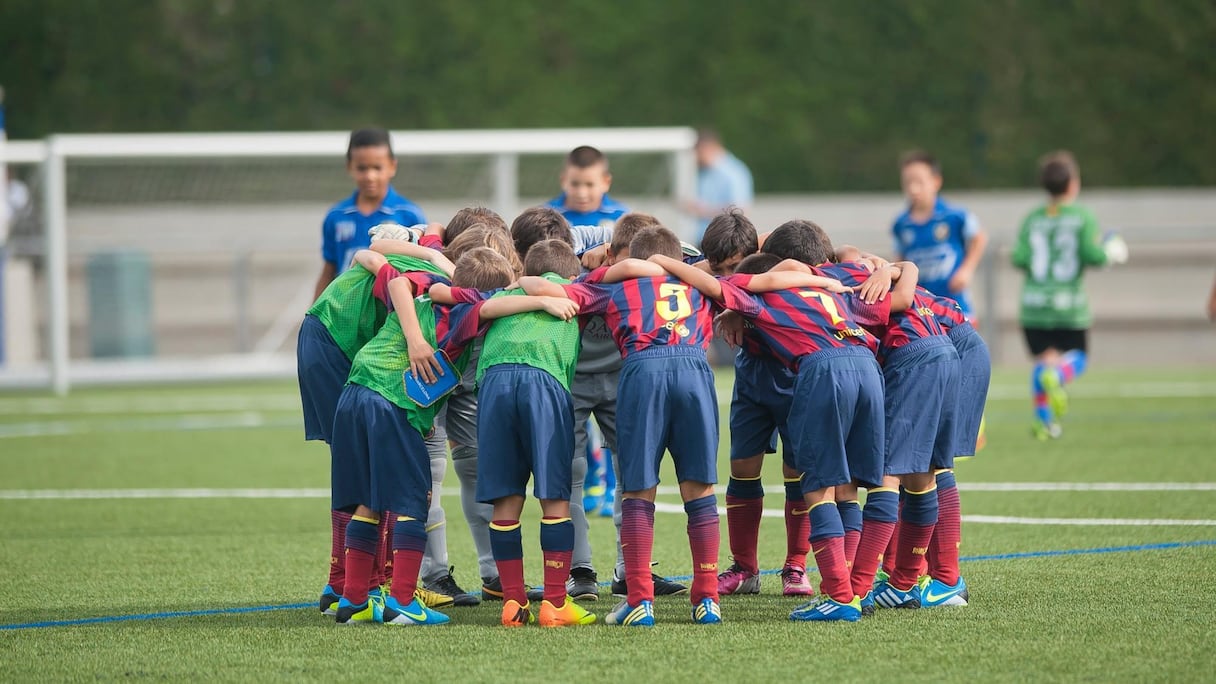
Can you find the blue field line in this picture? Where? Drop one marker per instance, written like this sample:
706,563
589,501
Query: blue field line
681,578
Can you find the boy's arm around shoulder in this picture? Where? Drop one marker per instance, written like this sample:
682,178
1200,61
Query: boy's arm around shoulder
905,288
406,248
707,284
627,269
785,280
509,305
421,354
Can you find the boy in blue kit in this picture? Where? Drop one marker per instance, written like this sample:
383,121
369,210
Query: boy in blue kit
944,240
835,420
662,327
371,164
585,181
525,426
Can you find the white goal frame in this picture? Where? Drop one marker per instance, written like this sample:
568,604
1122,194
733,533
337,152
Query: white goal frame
504,146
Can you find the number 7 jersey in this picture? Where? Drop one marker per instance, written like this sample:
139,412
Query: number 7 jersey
1054,246
646,312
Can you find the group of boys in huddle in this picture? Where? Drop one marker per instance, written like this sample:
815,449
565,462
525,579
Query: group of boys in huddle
871,382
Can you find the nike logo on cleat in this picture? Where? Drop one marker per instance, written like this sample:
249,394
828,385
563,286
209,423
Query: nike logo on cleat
416,617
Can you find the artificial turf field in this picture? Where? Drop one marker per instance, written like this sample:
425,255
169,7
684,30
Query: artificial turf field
1068,581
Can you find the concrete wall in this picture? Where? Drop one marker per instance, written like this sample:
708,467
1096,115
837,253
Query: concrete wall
1153,308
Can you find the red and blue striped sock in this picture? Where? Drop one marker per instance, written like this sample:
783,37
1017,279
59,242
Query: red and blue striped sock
850,517
917,519
338,520
744,508
507,545
409,544
557,546
797,524
362,543
637,544
878,519
827,542
704,538
948,533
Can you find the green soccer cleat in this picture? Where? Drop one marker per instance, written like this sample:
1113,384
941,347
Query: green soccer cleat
416,613
1045,431
369,612
1057,398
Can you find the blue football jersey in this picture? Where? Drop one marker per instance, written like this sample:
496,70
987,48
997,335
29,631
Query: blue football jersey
937,246
610,210
344,230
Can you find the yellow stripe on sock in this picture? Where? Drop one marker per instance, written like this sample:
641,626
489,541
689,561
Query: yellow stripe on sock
374,521
504,528
791,480
909,492
745,479
405,518
893,490
825,501
553,521
846,501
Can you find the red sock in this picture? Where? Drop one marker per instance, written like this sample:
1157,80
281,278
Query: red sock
557,547
917,519
888,556
947,535
873,541
508,556
637,542
338,520
409,543
797,532
704,537
743,525
829,558
362,540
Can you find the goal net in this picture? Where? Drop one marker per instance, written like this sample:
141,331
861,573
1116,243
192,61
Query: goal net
194,256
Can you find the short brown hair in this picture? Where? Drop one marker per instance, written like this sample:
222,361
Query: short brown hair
759,262
656,240
1056,171
586,156
728,234
481,268
800,240
552,256
482,236
921,157
470,216
536,224
628,226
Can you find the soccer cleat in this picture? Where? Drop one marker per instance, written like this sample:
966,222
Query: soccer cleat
887,596
662,585
491,590
434,598
366,613
707,612
568,615
1057,398
582,585
935,593
515,615
736,580
626,615
867,604
1045,431
881,576
794,582
446,585
416,613
329,601
828,610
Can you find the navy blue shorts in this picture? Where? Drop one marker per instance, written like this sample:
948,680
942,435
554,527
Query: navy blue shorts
377,459
975,366
922,379
836,419
666,401
759,406
322,368
525,428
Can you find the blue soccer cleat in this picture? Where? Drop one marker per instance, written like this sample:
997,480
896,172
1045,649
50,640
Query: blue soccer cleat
641,615
828,610
887,596
867,604
367,613
416,613
329,601
707,612
935,593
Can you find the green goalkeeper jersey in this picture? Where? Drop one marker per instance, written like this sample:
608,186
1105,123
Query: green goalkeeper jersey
532,338
1055,244
347,308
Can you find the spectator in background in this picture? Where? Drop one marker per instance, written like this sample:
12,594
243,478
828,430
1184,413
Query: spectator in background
722,181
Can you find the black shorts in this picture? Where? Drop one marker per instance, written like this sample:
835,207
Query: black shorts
1039,340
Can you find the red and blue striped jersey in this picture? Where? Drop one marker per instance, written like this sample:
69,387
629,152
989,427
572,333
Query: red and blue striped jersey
797,322
915,323
851,273
947,311
421,281
457,326
646,312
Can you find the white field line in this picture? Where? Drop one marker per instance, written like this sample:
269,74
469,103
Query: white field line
187,403
661,507
203,421
315,493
